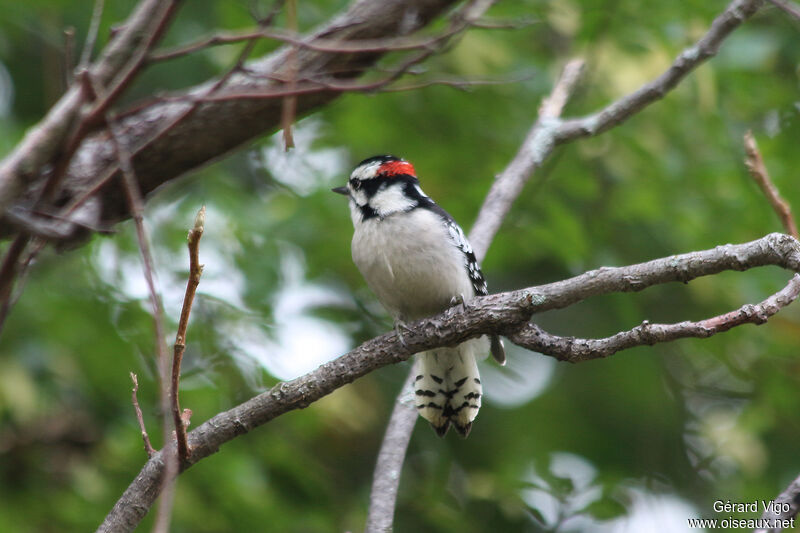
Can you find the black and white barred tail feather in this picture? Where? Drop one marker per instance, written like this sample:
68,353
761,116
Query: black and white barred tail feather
447,388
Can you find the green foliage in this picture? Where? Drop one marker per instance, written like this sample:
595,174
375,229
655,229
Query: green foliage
680,424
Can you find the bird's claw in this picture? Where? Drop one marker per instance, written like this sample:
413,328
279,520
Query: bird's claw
399,325
457,299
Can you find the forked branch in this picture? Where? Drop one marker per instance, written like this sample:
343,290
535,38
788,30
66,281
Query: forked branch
503,313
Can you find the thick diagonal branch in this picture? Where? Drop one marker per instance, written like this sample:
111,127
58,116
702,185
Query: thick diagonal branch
22,167
164,147
499,313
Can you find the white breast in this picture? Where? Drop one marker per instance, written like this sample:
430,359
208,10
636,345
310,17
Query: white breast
411,263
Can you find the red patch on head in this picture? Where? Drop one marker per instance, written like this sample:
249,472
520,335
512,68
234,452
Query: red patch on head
395,168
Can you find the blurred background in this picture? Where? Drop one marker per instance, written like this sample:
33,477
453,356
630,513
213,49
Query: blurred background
638,442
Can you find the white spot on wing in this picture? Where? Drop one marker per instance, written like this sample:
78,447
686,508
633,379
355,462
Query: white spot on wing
474,271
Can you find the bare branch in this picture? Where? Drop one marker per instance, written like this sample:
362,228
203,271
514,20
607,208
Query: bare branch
44,141
8,273
788,7
546,133
195,271
134,197
538,144
550,131
54,141
341,46
734,15
758,171
148,448
163,147
69,52
575,350
91,35
335,46
783,510
289,107
498,313
389,466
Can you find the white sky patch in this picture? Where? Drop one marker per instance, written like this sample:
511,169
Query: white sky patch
298,342
525,376
665,513
221,277
647,511
540,497
305,168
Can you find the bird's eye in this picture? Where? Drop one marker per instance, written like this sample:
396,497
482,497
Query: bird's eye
355,183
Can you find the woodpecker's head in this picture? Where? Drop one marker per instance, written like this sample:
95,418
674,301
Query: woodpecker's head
381,186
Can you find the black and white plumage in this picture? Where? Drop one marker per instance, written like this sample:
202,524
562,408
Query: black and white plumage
417,260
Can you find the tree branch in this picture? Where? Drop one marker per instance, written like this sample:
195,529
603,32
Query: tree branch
551,131
389,466
386,478
547,131
195,271
731,18
148,448
788,7
42,143
575,350
503,313
758,171
536,147
165,141
786,507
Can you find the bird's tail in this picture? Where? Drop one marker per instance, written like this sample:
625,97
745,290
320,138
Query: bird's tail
447,387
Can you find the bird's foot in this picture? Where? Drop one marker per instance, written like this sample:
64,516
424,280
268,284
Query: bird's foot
399,326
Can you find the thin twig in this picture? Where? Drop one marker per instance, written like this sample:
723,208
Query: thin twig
91,35
195,271
758,171
289,107
69,51
111,172
135,203
148,448
8,275
690,58
788,7
321,44
495,24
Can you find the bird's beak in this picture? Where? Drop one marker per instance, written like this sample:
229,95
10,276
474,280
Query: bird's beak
341,190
